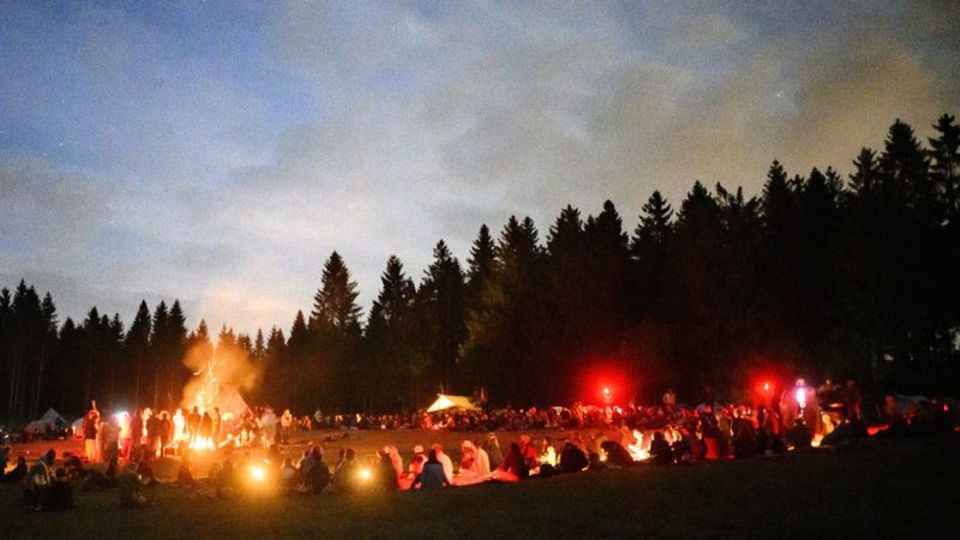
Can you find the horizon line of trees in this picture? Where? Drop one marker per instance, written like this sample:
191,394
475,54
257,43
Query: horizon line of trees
816,275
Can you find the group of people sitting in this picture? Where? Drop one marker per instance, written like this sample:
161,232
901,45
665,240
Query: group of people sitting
49,486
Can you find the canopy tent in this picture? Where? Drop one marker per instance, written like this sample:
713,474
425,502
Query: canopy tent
446,401
50,418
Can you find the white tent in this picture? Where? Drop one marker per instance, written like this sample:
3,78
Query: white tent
50,418
446,401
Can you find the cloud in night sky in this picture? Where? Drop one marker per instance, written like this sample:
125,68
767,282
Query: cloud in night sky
218,153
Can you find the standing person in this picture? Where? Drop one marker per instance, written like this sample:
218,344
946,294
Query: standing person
166,431
268,426
90,434
109,439
206,426
851,400
670,400
217,420
153,433
136,434
193,424
286,424
179,427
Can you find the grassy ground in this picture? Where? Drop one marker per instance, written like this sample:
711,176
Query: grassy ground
887,490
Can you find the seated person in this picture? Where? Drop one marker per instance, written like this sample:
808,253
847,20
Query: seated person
60,494
344,475
799,436
660,451
131,487
184,474
572,458
513,467
287,477
97,480
386,473
38,479
16,475
314,472
432,476
617,455
471,471
416,467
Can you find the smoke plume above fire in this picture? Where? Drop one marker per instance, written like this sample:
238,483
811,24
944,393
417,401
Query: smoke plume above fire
220,374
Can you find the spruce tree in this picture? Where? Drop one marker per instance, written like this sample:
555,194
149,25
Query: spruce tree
137,348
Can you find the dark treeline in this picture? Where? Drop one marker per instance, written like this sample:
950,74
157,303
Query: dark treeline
817,275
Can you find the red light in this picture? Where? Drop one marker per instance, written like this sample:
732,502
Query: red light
766,387
606,391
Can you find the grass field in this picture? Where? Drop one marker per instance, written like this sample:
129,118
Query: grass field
908,489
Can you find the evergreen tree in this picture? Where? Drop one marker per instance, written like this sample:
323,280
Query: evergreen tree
137,349
335,305
944,158
390,350
297,369
442,301
159,349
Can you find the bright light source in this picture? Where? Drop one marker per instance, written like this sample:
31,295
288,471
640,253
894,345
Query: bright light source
802,397
766,387
606,391
365,474
258,474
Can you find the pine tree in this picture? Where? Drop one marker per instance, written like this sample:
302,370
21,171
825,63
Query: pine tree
945,166
481,265
159,349
137,347
442,295
176,350
297,359
389,341
334,305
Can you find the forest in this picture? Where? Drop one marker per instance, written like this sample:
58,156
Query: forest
818,275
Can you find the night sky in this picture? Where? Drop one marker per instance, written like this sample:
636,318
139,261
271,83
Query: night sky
218,152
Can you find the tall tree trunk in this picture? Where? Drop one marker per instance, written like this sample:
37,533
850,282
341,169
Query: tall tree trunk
14,382
136,391
36,397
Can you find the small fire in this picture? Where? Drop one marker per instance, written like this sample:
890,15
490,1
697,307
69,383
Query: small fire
202,443
636,450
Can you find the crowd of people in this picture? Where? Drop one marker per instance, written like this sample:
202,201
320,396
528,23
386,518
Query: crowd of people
580,438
